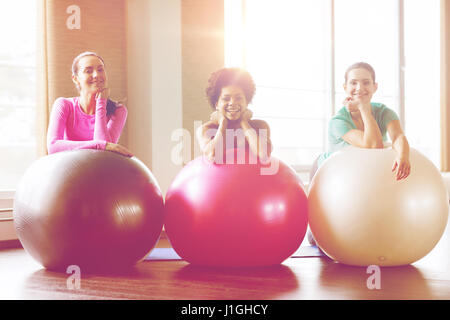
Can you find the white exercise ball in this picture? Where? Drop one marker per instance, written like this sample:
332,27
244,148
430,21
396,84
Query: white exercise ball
360,215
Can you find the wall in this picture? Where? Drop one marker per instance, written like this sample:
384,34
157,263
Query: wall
172,48
203,53
154,82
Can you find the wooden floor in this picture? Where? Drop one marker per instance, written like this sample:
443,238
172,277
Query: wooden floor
297,278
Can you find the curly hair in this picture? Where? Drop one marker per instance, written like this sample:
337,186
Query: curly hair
226,77
360,65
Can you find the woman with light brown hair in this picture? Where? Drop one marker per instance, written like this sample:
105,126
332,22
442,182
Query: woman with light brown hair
366,124
91,120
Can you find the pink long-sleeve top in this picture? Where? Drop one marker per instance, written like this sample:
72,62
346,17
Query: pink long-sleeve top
70,128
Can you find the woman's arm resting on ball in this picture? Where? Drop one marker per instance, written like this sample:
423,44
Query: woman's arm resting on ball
400,144
369,138
359,138
117,148
56,129
209,137
64,145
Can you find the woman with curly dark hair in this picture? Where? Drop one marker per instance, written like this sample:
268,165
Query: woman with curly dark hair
229,92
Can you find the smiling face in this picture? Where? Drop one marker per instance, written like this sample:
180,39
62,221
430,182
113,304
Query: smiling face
232,101
360,84
91,75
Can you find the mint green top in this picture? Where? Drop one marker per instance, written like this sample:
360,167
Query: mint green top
342,123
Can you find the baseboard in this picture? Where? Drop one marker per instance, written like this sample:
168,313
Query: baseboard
8,236
7,229
9,244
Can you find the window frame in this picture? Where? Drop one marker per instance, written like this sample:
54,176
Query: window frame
331,86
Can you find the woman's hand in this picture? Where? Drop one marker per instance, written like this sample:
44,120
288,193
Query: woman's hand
351,104
218,117
402,167
117,148
102,94
355,104
246,115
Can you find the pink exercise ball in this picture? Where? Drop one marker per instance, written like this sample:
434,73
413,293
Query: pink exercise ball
235,214
361,215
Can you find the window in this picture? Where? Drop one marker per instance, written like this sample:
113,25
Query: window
422,82
18,90
298,50
368,31
286,51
